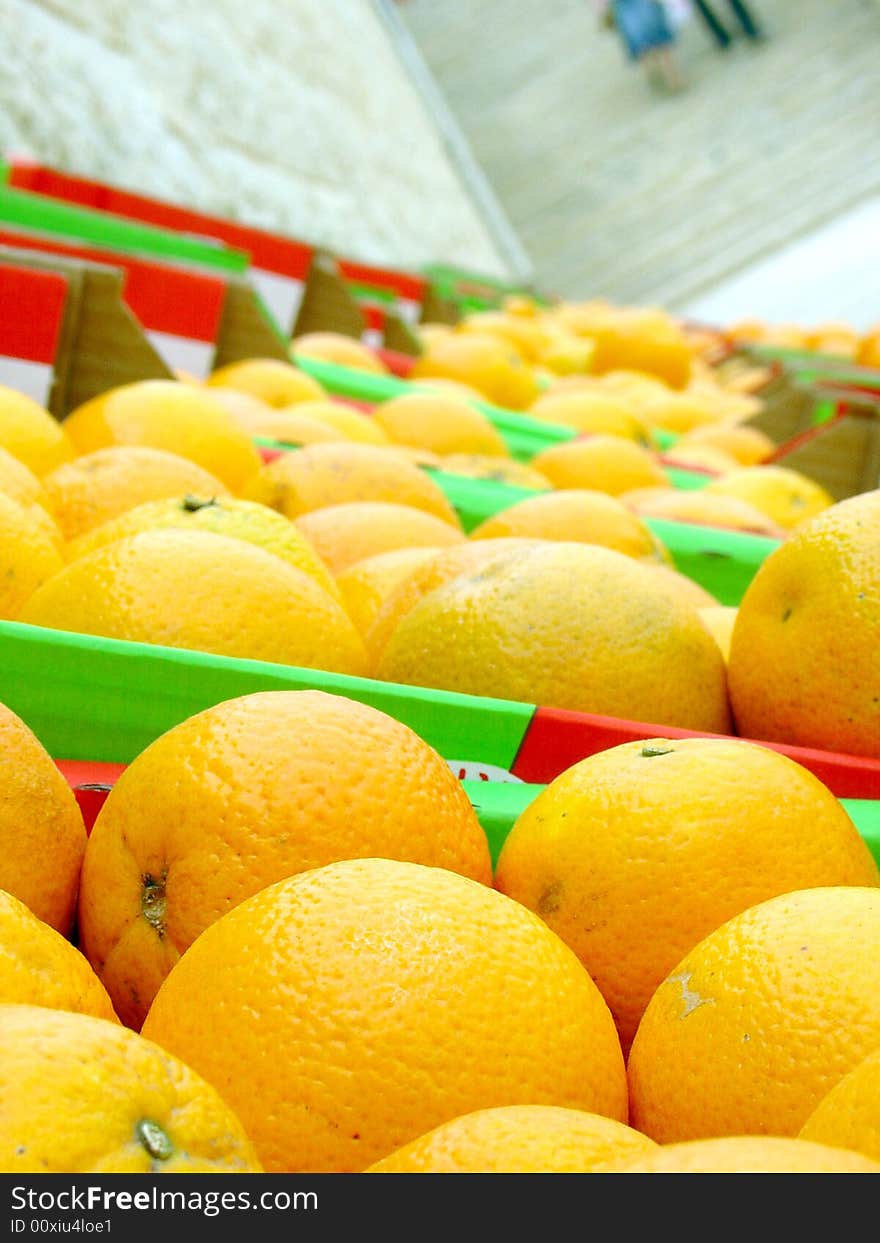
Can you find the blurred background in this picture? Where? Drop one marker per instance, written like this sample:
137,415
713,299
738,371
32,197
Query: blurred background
507,136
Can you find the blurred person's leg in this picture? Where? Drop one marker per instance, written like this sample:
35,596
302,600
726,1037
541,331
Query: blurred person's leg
750,27
716,27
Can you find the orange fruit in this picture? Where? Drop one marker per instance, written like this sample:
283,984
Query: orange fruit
576,514
196,589
129,1108
803,654
590,412
755,1024
502,470
40,967
272,380
482,361
440,423
468,557
746,1154
525,334
241,795
367,583
687,590
720,619
166,414
291,426
103,484
868,353
848,1115
20,484
603,463
518,1139
702,506
683,834
224,515
786,496
42,834
677,412
29,555
748,445
297,482
351,423
418,993
345,534
700,457
338,348
637,339
443,384
247,410
30,433
567,625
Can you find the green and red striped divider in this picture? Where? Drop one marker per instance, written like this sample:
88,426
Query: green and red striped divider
96,703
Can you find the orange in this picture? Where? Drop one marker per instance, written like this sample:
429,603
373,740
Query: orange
748,445
344,534
248,411
40,967
868,354
590,412
720,620
567,625
297,482
469,557
103,484
272,380
292,426
755,1024
677,412
702,506
337,347
786,496
575,514
129,1108
518,1139
804,650
224,515
687,590
482,361
848,1116
747,1154
42,834
525,334
351,1008
604,463
367,583
196,589
241,795
353,424
440,423
20,483
170,415
637,339
682,835
700,457
502,470
30,433
29,555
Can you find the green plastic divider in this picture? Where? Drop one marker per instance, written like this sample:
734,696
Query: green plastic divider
498,804
90,698
524,436
722,561
45,215
689,480
475,500
810,366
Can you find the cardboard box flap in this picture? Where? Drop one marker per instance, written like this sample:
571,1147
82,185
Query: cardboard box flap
327,304
843,454
179,308
101,344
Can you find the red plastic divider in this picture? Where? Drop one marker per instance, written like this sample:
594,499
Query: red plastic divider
557,738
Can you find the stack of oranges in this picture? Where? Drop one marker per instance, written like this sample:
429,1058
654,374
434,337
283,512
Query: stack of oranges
669,965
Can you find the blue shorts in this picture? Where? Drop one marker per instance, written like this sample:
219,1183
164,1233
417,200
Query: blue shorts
642,25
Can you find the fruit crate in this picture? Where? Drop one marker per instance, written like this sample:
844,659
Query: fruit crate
96,703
